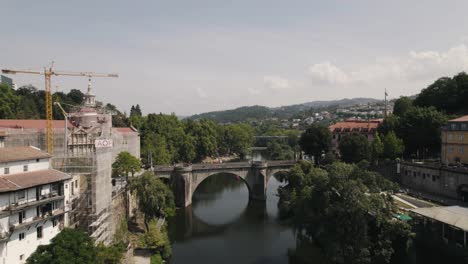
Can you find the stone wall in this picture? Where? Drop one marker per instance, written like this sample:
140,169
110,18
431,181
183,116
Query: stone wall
435,179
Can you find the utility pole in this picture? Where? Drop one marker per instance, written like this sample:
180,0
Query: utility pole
385,111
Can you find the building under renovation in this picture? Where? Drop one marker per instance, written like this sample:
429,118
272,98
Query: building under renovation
84,147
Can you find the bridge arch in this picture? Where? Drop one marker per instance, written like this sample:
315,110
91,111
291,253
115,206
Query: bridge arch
198,179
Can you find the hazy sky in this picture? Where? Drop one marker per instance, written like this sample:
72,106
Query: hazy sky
201,55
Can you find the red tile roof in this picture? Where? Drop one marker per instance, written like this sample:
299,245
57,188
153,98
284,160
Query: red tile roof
31,124
21,153
126,129
460,119
18,181
355,125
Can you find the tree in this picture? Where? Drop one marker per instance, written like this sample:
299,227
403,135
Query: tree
126,163
446,94
240,139
402,105
377,147
76,96
277,150
155,199
315,141
342,209
354,147
156,240
8,102
393,146
70,246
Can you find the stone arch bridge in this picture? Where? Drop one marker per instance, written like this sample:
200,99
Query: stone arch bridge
186,178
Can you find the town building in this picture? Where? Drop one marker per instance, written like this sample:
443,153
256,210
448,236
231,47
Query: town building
363,127
447,178
455,141
84,147
442,227
34,202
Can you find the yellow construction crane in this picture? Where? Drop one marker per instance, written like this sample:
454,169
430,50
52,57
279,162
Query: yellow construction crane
48,73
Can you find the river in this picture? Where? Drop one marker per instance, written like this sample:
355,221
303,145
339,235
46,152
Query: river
223,227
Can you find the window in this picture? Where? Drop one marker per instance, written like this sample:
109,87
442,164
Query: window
22,257
25,168
21,236
463,126
21,216
460,137
461,150
76,183
450,149
450,136
39,231
2,142
453,126
6,171
54,223
37,160
433,178
21,194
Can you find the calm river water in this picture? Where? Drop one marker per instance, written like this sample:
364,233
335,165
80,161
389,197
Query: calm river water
223,227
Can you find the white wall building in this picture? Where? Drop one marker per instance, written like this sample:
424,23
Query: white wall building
34,201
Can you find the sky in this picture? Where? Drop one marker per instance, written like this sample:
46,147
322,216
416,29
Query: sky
195,56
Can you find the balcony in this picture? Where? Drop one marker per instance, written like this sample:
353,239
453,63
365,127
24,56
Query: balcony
43,199
36,219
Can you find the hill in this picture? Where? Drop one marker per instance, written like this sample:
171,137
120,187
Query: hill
257,112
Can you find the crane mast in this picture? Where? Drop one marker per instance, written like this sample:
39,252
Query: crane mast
48,73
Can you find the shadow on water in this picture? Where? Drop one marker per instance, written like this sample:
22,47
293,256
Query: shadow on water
223,226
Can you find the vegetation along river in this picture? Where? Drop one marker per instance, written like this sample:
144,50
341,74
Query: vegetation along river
222,226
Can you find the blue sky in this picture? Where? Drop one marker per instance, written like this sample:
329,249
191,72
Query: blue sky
195,56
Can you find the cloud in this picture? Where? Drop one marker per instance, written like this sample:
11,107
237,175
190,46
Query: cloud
416,66
276,83
201,93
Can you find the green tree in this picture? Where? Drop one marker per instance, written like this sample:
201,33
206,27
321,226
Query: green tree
241,137
70,246
315,141
341,209
155,199
354,147
8,102
377,147
126,163
156,239
402,105
393,146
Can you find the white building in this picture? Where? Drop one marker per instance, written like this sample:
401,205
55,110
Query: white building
34,200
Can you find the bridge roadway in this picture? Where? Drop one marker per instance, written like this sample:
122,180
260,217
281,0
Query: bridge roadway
185,178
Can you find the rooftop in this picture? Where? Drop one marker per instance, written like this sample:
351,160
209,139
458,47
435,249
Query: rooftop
452,215
126,129
21,154
18,181
31,124
355,125
460,119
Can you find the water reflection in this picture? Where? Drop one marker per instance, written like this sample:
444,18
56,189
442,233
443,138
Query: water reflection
222,226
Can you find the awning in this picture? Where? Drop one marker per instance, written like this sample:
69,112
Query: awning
451,215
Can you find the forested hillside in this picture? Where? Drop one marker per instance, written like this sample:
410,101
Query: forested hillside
256,112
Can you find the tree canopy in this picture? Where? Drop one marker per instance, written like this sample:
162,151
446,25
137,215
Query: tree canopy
341,208
446,94
155,199
126,163
70,246
354,147
315,141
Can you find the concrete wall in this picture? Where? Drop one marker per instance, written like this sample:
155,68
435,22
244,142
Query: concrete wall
18,166
434,179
